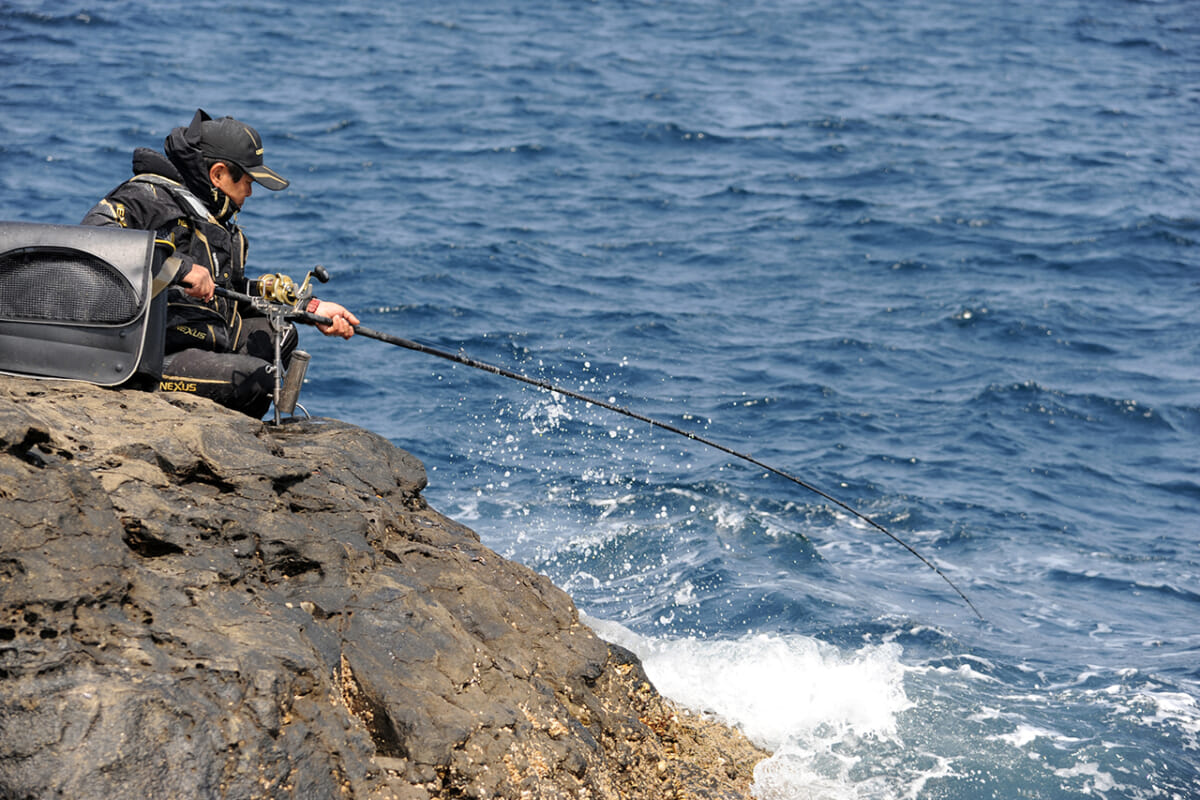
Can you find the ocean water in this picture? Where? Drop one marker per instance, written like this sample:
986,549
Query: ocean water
937,259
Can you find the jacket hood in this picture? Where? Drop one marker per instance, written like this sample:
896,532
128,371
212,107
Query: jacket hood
152,162
182,147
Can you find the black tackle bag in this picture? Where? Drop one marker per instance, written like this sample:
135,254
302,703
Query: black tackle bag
77,302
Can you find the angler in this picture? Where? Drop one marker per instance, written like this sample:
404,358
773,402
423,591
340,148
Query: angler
189,196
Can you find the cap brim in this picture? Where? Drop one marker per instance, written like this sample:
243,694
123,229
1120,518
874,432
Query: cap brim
267,177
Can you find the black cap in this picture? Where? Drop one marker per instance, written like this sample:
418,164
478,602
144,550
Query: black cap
227,139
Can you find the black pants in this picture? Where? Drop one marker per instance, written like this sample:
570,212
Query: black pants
243,379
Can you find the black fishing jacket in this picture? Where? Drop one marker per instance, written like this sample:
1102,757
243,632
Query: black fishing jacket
188,230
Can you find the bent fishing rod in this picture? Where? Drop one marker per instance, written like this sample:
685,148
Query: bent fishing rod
296,313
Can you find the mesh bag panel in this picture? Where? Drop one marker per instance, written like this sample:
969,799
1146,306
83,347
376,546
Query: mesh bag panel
63,286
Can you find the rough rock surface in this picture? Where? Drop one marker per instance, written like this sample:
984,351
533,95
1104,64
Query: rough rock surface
195,604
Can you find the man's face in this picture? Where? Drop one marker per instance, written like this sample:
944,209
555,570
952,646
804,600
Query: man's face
238,190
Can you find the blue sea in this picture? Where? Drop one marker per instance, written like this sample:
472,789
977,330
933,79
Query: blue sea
937,259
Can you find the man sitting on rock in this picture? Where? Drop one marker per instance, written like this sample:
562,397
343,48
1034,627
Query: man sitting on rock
215,346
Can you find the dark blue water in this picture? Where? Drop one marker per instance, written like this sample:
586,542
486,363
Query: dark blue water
938,259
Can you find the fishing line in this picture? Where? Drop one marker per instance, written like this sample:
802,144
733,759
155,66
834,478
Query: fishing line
465,360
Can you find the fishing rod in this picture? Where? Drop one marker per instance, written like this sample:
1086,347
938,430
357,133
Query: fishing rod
461,358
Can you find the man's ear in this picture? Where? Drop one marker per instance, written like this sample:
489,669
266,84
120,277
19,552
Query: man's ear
217,171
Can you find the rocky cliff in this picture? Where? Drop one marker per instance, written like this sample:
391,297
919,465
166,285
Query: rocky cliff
197,605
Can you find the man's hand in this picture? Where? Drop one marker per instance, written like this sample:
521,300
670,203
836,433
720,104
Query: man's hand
343,320
198,283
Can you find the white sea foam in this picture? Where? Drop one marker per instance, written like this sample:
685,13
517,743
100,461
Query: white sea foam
1174,708
467,509
813,705
1095,780
728,517
1024,734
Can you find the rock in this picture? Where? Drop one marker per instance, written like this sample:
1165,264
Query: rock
195,604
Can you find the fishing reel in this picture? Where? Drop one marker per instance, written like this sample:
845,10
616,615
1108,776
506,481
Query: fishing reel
283,298
279,288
